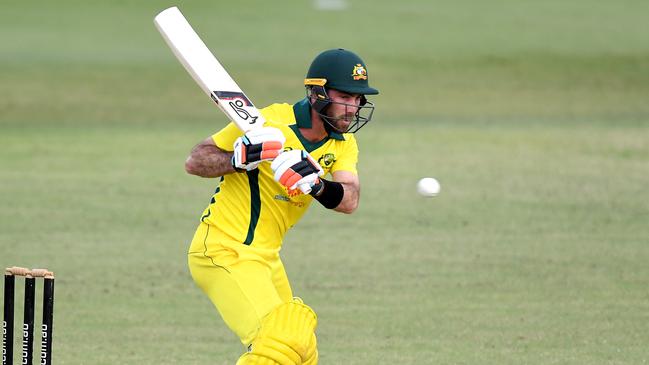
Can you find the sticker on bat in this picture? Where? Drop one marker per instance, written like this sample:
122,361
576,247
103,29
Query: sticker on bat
232,95
237,102
237,106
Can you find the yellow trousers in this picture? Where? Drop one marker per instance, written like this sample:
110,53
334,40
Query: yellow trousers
243,283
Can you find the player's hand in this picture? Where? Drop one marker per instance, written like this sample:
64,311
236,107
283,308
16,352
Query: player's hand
296,169
255,146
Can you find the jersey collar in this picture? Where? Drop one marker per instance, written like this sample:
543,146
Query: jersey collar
302,111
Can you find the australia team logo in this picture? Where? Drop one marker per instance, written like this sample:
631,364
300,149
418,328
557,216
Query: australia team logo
327,160
359,72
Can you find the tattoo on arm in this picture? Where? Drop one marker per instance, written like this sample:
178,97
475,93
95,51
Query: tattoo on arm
207,160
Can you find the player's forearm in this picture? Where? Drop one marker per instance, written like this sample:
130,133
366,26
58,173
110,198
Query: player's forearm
349,203
208,160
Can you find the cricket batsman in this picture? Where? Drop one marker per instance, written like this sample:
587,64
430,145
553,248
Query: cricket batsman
268,179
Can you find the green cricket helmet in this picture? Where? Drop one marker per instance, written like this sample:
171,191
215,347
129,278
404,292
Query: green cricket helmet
344,71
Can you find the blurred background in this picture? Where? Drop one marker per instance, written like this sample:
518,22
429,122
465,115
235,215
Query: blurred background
534,117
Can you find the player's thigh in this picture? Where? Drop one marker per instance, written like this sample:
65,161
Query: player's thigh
280,280
243,292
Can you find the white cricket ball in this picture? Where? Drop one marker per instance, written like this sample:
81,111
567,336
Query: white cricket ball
428,187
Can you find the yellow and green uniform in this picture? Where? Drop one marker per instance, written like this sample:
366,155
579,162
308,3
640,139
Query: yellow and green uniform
234,256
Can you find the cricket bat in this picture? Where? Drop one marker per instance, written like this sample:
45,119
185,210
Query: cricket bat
206,70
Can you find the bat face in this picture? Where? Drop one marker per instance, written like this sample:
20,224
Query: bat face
206,70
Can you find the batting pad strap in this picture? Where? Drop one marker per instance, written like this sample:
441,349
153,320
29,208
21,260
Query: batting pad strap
330,194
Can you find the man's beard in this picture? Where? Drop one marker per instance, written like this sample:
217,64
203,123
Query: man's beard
340,123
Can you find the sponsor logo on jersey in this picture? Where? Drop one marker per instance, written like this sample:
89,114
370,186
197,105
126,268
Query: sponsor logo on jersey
288,200
282,197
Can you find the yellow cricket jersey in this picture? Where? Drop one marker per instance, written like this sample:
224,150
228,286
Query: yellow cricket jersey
251,208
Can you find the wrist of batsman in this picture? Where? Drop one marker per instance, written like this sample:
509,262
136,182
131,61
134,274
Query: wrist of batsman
234,165
328,193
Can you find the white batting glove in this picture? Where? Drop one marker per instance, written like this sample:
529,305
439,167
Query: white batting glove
255,146
296,169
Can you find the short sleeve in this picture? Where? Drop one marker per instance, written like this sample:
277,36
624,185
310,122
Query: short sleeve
224,139
348,159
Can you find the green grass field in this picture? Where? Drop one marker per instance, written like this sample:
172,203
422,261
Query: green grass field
533,115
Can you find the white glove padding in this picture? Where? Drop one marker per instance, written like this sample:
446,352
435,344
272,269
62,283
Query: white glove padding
297,169
255,146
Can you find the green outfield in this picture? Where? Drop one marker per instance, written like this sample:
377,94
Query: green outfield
534,116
